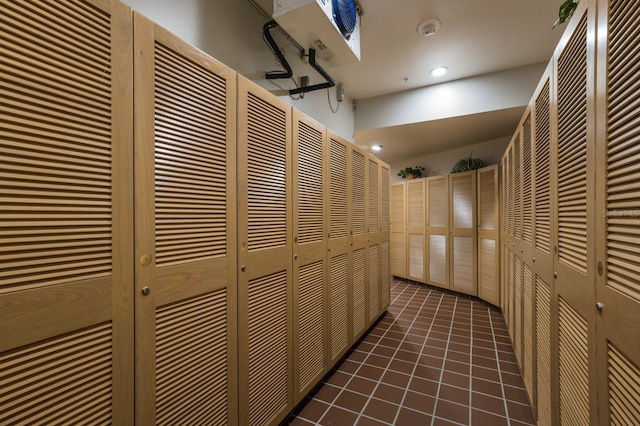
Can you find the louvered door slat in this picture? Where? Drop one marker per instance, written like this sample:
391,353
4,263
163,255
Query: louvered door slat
543,351
339,309
359,292
374,282
542,171
527,184
528,327
311,319
573,366
517,186
338,189
374,196
572,151
358,192
65,212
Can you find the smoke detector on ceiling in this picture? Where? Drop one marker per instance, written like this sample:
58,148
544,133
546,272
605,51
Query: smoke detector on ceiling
429,27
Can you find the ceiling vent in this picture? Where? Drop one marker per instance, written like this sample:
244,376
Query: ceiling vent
331,27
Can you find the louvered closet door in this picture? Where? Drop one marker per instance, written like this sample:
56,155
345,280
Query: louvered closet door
185,233
385,243
416,229
398,237
309,247
574,248
437,206
264,256
339,250
618,289
488,223
373,237
462,211
66,213
359,202
542,260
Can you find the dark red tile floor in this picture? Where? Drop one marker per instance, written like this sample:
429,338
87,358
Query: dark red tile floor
435,358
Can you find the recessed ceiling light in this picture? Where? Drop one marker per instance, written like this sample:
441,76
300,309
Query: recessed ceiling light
438,71
376,147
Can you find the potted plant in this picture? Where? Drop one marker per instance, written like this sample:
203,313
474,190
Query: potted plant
467,164
411,172
566,11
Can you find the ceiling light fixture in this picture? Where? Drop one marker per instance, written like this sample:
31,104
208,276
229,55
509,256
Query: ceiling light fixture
376,147
438,71
428,28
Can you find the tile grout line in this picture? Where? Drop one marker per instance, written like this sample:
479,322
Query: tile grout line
471,343
504,397
435,405
415,366
417,291
342,388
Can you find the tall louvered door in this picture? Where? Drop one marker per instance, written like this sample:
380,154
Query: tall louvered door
574,246
309,247
618,288
488,229
385,243
542,260
416,229
373,238
338,248
463,233
185,236
437,206
264,256
359,202
398,237
525,250
66,213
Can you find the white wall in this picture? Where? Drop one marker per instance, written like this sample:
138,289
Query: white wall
489,92
231,32
441,163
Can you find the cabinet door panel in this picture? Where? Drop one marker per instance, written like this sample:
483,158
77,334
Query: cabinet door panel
309,247
185,229
437,189
66,257
264,256
462,209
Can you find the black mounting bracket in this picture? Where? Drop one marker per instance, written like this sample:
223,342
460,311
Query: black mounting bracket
330,82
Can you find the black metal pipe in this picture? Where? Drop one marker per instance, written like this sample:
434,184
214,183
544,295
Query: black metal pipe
329,83
276,50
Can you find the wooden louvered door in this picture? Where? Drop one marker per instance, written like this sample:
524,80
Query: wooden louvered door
185,232
359,201
373,238
542,260
618,287
66,213
488,230
437,206
574,245
338,248
264,256
416,230
385,243
309,247
398,237
463,232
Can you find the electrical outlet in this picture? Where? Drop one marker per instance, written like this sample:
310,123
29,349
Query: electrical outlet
304,81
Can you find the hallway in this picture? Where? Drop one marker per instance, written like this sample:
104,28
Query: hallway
435,358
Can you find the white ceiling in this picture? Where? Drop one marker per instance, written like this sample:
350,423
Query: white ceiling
476,37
